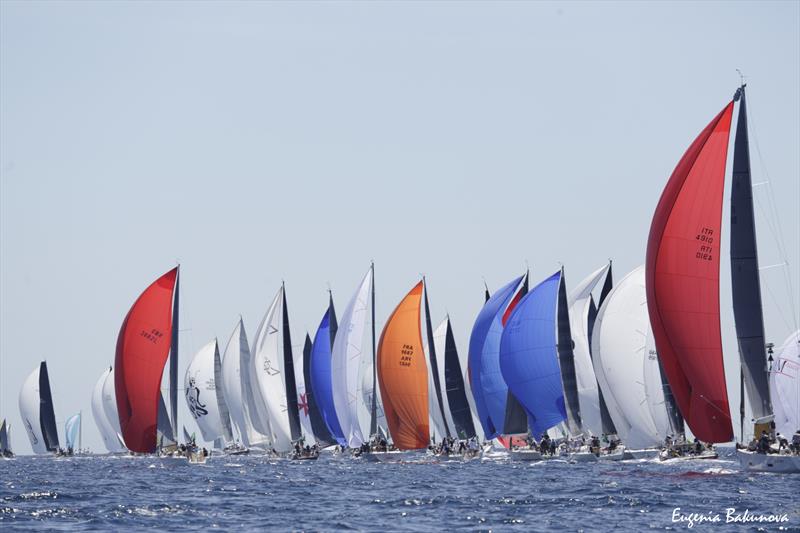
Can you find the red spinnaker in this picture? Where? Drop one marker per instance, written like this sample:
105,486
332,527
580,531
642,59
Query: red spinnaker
682,278
143,346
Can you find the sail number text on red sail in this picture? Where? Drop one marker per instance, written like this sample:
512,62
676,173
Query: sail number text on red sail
706,236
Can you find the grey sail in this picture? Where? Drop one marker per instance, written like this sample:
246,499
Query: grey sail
173,357
745,281
5,441
288,369
224,413
566,359
166,436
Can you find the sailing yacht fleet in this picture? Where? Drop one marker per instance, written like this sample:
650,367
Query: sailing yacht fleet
604,372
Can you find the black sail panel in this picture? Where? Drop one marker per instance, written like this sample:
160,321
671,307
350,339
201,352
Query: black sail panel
173,358
47,416
288,375
745,281
456,391
434,363
516,419
608,427
566,359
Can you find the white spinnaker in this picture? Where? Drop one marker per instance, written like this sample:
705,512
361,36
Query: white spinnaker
619,346
110,407
29,404
579,302
200,391
347,355
302,398
107,431
269,372
236,382
440,344
784,384
654,388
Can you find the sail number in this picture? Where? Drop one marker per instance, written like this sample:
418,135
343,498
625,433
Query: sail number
405,355
153,335
706,239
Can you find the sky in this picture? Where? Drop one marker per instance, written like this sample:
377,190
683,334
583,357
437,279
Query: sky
257,142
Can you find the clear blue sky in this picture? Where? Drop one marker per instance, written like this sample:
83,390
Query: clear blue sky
260,142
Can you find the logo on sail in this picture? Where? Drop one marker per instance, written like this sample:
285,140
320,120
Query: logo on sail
29,427
193,399
269,369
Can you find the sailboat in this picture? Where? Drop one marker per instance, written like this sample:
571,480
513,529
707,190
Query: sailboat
537,362
5,440
273,368
627,369
403,374
582,312
451,380
353,372
498,409
36,409
303,391
319,427
321,377
237,383
108,433
682,280
73,433
147,338
205,394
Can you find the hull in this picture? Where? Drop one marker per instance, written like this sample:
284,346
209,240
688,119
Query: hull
393,456
757,462
616,455
582,457
647,453
705,454
525,455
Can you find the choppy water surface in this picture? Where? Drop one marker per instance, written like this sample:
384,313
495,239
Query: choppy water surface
249,492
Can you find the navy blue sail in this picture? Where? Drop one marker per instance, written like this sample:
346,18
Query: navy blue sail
488,387
529,356
320,369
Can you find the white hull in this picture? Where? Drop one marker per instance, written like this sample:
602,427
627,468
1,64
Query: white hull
647,453
582,457
616,455
525,455
757,462
393,456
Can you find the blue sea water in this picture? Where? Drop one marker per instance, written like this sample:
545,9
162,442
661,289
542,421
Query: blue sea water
256,493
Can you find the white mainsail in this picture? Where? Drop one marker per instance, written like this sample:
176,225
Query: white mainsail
269,374
784,384
107,432
579,303
201,392
621,359
110,407
348,356
237,384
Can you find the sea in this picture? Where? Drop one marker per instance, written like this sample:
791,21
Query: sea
255,493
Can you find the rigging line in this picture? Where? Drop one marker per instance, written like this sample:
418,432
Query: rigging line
774,210
777,304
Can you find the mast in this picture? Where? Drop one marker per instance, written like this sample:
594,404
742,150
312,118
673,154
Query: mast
80,430
373,418
432,358
173,357
745,282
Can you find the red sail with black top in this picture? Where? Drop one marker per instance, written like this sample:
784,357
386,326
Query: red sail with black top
143,346
682,278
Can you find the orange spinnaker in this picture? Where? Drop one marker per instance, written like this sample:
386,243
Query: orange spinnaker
403,374
143,345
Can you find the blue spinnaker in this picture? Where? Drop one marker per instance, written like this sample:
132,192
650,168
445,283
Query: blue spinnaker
321,380
71,430
529,356
488,387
